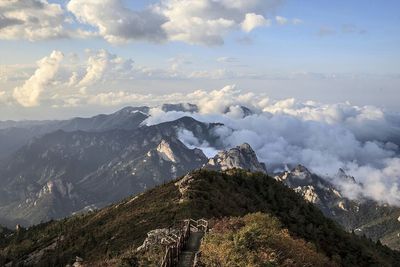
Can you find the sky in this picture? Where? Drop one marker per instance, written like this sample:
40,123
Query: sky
66,58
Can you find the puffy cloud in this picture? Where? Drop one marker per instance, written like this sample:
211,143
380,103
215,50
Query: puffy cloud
117,23
204,22
207,22
102,62
32,20
28,94
253,21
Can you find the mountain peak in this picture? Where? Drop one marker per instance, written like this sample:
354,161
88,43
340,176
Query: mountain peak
301,171
344,176
242,157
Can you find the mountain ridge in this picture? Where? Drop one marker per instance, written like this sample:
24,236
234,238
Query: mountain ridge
113,233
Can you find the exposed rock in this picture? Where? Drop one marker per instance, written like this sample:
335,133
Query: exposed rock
242,157
308,192
165,151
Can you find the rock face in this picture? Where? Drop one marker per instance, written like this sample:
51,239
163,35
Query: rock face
242,157
375,220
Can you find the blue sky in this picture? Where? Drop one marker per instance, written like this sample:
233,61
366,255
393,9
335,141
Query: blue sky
328,51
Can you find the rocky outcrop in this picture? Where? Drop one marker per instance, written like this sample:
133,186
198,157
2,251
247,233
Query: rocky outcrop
241,157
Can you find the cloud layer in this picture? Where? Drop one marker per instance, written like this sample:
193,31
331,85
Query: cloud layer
322,137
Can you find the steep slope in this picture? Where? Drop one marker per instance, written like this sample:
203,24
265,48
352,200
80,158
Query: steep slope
365,217
111,235
64,172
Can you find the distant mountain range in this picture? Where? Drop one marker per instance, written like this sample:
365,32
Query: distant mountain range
52,169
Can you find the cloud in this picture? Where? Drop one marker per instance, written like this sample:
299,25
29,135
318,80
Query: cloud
188,138
117,23
281,20
32,20
323,137
101,62
253,21
207,22
204,22
28,95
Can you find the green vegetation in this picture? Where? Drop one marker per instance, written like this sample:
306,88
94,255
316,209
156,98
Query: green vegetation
112,234
258,240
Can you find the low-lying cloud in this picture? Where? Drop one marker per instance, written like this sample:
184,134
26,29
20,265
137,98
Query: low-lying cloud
362,140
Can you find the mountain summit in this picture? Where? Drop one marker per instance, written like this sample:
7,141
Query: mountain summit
241,157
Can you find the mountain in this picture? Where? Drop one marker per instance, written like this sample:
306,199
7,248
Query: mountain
184,107
111,236
364,217
242,157
65,172
14,135
95,161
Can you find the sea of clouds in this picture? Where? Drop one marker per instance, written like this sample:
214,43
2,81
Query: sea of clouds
364,141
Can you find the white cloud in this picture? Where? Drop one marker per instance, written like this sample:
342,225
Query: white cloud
28,95
205,22
208,22
32,20
253,21
117,23
102,62
281,20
